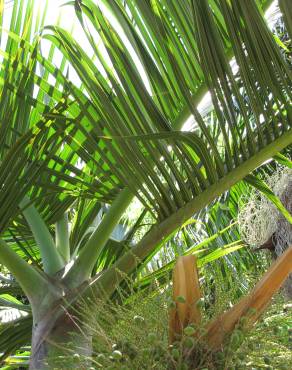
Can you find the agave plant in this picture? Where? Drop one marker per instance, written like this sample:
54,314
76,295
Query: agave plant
67,149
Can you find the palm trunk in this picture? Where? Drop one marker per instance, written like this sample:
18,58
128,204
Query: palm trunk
58,341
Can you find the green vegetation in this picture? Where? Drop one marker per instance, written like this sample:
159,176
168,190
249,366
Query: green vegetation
89,133
135,336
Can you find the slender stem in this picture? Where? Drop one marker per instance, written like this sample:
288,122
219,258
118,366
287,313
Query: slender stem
87,258
51,258
30,280
62,237
107,282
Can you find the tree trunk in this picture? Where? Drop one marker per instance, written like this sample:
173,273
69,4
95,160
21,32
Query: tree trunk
58,341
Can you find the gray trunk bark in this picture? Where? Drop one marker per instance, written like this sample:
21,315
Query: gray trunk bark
58,340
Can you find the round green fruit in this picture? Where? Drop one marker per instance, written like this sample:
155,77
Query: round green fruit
189,331
175,353
189,342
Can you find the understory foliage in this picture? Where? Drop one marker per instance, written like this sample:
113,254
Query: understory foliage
135,335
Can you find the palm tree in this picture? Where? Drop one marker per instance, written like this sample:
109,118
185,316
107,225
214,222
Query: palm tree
68,149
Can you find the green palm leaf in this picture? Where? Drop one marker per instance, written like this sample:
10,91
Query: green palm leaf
68,148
